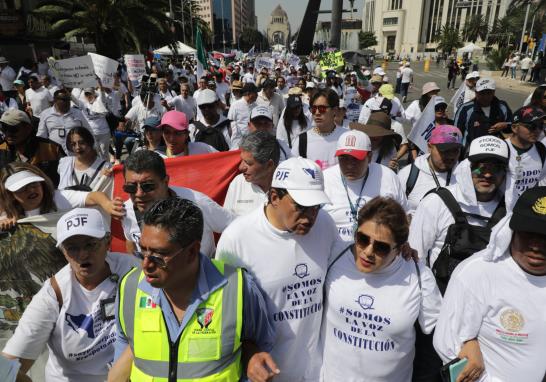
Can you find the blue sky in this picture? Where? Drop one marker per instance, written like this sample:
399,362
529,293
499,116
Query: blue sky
296,10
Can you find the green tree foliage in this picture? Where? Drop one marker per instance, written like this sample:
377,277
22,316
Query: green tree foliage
475,27
449,39
366,39
252,37
496,58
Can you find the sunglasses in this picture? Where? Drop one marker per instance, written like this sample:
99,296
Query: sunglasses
321,109
131,188
157,260
481,169
379,248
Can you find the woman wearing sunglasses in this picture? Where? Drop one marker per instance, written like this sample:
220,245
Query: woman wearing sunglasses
373,299
73,314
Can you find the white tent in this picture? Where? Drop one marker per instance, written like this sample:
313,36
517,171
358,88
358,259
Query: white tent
470,48
181,49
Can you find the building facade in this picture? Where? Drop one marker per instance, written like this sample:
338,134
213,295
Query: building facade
349,33
278,29
409,27
227,19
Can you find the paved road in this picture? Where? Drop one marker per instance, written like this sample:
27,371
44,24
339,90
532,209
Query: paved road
508,90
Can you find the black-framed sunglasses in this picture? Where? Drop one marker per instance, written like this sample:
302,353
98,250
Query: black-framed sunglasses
159,261
131,188
379,248
480,169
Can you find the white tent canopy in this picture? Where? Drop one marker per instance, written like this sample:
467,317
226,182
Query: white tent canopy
470,48
181,49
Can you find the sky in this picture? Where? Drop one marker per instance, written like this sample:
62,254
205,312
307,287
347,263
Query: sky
296,9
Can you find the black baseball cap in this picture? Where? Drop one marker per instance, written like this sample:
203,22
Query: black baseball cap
529,115
529,214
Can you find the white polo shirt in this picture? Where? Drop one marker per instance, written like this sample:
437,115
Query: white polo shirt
243,197
39,99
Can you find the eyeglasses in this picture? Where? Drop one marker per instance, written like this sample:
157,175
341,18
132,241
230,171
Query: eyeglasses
131,188
379,248
321,108
480,169
306,209
74,250
158,259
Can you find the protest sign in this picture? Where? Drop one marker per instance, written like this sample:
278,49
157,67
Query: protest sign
75,72
105,69
293,60
422,129
353,111
332,61
136,66
264,62
458,98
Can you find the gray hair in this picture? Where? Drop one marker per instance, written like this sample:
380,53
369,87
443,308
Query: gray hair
263,146
181,217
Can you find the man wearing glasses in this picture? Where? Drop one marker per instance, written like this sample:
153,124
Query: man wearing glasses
21,145
186,317
452,223
56,121
527,153
319,144
209,107
146,182
286,246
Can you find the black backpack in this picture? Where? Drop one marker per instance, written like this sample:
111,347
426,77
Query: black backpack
212,135
462,239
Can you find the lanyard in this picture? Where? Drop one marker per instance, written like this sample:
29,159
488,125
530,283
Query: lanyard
448,178
354,207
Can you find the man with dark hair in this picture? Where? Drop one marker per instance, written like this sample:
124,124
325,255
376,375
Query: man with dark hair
319,144
239,113
269,98
21,145
37,96
146,181
59,119
184,316
286,246
260,155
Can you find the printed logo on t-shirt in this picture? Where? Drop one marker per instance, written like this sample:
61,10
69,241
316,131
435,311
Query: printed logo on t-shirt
512,323
526,180
303,295
81,321
364,329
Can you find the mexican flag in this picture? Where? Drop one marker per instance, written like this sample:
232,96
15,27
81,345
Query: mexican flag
201,54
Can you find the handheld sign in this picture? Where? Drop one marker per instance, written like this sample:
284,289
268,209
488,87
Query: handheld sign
75,72
105,69
136,66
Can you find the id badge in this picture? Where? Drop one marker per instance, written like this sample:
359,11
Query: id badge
519,172
108,309
62,133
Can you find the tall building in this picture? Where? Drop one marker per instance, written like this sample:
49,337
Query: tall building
409,26
227,19
278,29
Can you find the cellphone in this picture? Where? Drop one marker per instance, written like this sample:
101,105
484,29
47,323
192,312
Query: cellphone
450,371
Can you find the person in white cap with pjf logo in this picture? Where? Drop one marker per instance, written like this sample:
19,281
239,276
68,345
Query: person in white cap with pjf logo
452,223
485,115
356,180
73,314
286,246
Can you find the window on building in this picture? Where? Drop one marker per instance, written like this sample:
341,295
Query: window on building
390,21
390,43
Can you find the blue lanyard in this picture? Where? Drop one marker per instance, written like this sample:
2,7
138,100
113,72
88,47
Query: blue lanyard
354,207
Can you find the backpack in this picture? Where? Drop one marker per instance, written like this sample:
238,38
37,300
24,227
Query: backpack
212,135
302,145
462,239
541,151
412,179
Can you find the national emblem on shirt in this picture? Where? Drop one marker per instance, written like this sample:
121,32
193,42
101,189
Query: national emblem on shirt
204,317
512,323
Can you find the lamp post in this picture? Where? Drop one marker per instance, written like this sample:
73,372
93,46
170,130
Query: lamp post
524,27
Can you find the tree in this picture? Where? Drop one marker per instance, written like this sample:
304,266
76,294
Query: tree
366,39
191,21
115,26
448,39
251,37
500,32
475,27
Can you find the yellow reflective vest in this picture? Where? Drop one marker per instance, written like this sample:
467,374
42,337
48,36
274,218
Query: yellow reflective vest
209,348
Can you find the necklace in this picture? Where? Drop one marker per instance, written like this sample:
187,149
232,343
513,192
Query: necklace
317,130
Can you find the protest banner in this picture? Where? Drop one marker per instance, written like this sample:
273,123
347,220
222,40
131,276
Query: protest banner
189,171
105,68
331,61
264,62
136,66
293,60
75,72
422,129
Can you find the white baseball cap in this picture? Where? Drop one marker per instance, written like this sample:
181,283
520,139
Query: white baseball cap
472,75
20,179
439,100
206,96
379,71
80,221
303,180
354,143
261,111
488,147
485,84
309,85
